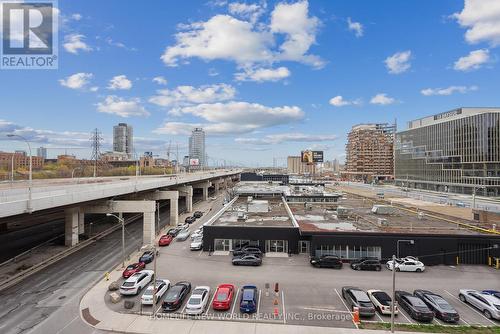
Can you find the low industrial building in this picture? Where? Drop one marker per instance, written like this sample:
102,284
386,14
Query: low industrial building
286,220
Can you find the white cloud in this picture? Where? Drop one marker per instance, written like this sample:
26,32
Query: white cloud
355,26
338,101
121,45
382,99
232,117
122,107
473,61
212,72
251,12
77,80
120,82
448,91
263,74
185,95
482,20
74,43
285,137
398,62
160,80
246,42
76,16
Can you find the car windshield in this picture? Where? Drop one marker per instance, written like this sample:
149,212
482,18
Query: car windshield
131,267
222,295
172,295
194,301
148,292
417,302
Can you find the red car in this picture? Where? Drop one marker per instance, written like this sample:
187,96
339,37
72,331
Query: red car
165,240
223,297
133,268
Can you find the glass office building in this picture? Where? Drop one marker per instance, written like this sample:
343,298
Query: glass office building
456,151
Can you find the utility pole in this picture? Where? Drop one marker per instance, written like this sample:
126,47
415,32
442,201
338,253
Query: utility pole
393,303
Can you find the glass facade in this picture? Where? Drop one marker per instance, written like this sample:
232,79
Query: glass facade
461,155
350,252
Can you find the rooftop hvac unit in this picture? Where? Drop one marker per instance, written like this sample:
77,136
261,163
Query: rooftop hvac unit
249,199
383,209
421,215
382,222
242,217
342,212
309,207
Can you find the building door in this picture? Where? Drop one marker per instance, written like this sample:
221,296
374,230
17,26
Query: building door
223,245
277,246
304,246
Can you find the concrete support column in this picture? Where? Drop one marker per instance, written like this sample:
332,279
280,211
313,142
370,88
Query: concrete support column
148,235
187,191
71,227
174,211
205,193
81,222
217,186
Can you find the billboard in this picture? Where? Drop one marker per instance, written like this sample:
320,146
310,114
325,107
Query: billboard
311,157
194,162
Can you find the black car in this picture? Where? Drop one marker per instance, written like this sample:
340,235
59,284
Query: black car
247,260
247,250
414,306
189,220
327,261
441,308
147,257
174,231
198,214
366,264
355,297
175,296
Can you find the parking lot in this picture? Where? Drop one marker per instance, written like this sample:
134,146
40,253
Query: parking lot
307,295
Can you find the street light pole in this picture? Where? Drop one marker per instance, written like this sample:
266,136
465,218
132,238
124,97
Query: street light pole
30,182
154,283
122,221
393,303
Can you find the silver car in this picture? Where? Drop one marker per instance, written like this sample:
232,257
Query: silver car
488,304
183,235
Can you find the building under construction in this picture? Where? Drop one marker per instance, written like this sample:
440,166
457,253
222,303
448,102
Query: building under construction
370,153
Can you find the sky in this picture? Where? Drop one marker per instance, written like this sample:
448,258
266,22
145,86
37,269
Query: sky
265,79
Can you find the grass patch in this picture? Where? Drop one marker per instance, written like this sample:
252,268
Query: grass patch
431,328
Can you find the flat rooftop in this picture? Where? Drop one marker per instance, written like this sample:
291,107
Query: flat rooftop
359,218
260,212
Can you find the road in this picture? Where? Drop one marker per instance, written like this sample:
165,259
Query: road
432,196
50,298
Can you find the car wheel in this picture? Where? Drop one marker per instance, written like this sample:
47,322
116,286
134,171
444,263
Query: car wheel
357,268
397,269
418,270
462,298
487,314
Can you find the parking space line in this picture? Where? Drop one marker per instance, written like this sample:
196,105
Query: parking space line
158,308
342,300
258,304
404,315
283,302
378,316
472,308
211,301
184,308
324,309
235,301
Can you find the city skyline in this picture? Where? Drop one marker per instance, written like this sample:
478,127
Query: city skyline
289,87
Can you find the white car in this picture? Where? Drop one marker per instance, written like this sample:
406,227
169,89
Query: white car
381,301
136,282
407,265
183,226
198,300
162,286
489,305
197,244
198,233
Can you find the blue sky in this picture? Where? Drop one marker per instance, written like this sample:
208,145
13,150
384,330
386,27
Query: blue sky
266,79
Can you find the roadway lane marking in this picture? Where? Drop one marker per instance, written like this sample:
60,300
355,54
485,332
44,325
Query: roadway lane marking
283,302
258,304
472,308
342,300
324,309
234,304
211,302
69,323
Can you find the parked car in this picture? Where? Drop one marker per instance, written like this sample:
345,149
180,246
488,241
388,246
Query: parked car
441,308
198,214
223,297
197,233
183,235
247,250
488,304
407,265
492,292
414,306
165,240
326,261
136,282
189,220
133,268
147,256
162,286
248,299
382,302
198,300
174,231
355,297
247,260
175,296
366,264
182,227
196,244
